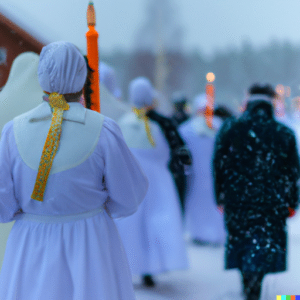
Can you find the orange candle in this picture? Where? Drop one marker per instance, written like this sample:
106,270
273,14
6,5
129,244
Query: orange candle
210,98
93,56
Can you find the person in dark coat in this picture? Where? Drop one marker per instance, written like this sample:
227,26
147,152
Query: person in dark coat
256,170
179,116
223,112
180,155
180,108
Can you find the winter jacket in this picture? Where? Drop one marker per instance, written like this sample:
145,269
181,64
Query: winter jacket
256,173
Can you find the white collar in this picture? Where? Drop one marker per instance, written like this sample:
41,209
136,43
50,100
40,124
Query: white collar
76,113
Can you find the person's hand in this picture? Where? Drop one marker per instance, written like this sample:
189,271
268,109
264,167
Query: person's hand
292,212
221,209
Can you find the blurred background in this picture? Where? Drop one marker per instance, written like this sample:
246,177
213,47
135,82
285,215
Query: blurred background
173,42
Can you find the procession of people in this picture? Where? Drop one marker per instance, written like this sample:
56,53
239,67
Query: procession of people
92,199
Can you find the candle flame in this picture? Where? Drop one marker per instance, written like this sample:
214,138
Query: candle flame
210,77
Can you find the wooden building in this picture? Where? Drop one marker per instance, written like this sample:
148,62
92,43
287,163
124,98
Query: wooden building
13,41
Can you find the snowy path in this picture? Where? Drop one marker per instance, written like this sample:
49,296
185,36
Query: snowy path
207,279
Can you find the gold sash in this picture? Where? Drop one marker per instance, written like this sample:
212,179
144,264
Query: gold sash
141,114
58,105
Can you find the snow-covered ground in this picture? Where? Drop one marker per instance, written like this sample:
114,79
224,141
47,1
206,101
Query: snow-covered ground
207,279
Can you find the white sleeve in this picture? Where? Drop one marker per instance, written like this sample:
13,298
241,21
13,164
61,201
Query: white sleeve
125,180
8,203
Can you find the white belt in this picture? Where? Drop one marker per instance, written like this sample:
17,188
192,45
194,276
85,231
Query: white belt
59,218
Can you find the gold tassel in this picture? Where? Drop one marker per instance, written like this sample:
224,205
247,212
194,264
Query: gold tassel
58,105
141,114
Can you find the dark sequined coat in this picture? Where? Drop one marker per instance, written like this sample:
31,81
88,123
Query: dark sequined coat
256,173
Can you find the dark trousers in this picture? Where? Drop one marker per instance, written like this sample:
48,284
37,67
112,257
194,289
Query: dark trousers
252,285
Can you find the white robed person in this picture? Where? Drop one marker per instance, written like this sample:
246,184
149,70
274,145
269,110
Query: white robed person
22,83
204,222
295,119
65,172
153,236
111,104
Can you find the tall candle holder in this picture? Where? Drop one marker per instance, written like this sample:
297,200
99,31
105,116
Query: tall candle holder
93,56
210,98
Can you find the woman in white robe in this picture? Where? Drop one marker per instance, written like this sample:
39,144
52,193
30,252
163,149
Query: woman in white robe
204,222
295,126
153,236
111,104
66,246
22,84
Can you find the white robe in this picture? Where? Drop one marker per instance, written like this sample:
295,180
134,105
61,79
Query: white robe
295,126
286,120
111,106
22,84
153,236
203,220
22,91
67,247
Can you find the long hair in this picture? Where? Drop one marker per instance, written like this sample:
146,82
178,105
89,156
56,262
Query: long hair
87,86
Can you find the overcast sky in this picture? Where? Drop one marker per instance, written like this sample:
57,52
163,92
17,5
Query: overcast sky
208,25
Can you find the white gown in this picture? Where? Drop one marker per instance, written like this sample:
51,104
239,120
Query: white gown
22,84
67,247
295,126
153,236
203,220
286,120
110,106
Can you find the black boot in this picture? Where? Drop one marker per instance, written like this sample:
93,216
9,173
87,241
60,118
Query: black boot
148,280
